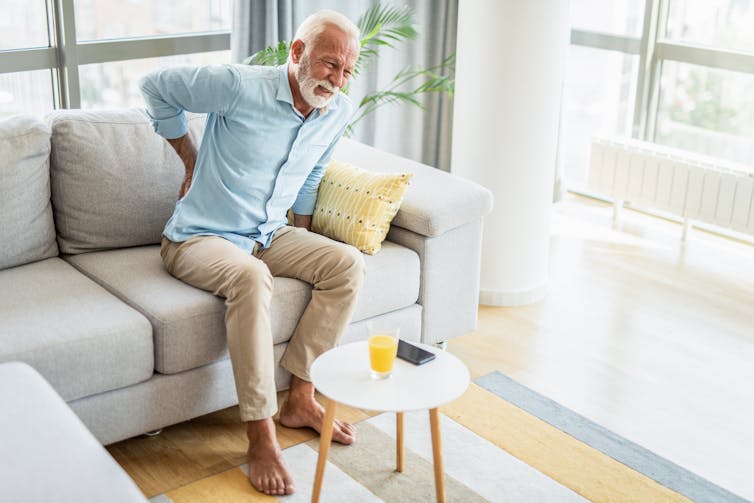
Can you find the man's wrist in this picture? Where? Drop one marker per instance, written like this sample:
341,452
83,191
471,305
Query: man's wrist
304,221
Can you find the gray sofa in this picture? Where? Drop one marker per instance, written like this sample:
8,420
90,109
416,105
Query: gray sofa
85,300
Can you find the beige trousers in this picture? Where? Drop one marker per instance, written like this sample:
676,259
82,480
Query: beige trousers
335,270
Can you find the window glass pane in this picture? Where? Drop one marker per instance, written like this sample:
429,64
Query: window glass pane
598,100
23,23
707,110
723,24
102,19
114,85
618,17
26,93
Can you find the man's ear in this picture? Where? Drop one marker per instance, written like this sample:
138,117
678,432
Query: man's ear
297,49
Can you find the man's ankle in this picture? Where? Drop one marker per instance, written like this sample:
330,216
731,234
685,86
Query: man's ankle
300,388
261,431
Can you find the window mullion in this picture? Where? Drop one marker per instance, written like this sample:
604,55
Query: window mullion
736,61
151,47
606,41
68,69
647,78
25,60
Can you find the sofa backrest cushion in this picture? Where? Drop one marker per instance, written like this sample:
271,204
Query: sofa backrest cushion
27,232
114,180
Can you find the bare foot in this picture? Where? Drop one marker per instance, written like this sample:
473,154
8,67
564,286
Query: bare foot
267,471
301,410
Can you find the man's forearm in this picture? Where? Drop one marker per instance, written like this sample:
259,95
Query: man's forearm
304,221
185,149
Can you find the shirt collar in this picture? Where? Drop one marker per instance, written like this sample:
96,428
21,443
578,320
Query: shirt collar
284,91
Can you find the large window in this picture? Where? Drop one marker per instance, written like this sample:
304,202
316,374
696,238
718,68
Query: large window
23,23
723,24
91,53
600,91
107,19
26,93
677,72
707,110
109,85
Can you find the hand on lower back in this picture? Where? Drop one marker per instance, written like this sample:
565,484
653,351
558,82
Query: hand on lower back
187,152
186,184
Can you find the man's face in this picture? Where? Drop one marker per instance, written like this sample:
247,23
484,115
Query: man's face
324,69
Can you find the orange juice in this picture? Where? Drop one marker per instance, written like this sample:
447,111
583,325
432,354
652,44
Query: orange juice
382,350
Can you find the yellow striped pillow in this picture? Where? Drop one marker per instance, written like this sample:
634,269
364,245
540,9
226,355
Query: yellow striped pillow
356,206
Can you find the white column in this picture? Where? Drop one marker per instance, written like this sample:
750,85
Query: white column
510,64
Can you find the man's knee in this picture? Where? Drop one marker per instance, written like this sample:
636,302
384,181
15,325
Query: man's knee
351,263
252,276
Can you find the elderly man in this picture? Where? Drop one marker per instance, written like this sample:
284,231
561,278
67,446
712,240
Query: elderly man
269,135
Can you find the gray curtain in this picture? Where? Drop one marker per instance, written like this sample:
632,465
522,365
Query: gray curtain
258,24
423,135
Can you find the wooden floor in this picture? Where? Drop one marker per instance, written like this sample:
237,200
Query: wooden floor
644,335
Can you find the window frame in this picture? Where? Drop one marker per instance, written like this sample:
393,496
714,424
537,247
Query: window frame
65,54
653,49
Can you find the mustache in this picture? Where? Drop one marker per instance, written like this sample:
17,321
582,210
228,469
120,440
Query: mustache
327,86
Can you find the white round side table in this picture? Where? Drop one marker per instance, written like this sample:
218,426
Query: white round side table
342,376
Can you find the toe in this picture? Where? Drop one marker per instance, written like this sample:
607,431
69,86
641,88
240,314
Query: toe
279,486
289,488
265,485
348,428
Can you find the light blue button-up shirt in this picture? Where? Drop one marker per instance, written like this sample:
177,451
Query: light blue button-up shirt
258,157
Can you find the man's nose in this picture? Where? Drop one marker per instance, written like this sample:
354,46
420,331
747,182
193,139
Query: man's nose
338,78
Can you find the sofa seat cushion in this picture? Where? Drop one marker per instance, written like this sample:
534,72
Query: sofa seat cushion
81,338
189,324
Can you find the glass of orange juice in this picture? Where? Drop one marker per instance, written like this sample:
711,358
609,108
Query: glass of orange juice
383,346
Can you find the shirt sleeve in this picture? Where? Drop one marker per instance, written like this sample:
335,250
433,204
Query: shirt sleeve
171,91
307,196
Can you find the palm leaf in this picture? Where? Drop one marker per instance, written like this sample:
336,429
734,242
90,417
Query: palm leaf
437,79
383,26
270,56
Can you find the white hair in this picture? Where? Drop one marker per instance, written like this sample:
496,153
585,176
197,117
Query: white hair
316,23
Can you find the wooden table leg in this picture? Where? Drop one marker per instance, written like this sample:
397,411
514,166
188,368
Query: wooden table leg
324,447
399,441
434,423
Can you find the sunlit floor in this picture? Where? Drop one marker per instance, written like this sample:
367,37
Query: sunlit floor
645,335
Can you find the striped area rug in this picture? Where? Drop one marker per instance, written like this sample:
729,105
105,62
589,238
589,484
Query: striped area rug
502,442
476,470
634,458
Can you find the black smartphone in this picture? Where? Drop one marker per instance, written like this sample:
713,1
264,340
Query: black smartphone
413,354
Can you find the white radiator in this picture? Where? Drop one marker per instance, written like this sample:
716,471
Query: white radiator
691,186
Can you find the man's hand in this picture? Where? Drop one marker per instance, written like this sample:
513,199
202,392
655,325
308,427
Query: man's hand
304,221
185,149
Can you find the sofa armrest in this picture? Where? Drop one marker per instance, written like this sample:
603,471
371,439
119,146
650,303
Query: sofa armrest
441,219
436,201
48,454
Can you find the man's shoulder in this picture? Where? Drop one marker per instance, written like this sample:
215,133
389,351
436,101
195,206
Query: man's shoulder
257,72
